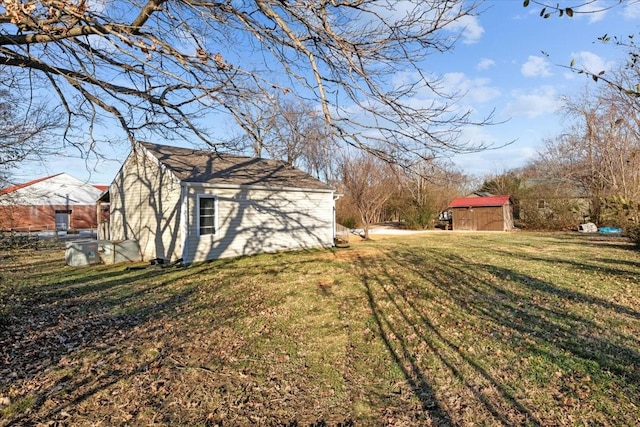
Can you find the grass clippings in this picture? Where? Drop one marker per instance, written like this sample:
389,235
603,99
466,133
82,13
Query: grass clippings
435,329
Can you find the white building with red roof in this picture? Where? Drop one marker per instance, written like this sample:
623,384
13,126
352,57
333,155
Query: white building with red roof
56,202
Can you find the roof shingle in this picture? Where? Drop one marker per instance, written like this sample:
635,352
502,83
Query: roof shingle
199,166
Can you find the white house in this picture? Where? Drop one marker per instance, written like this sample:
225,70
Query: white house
194,205
56,202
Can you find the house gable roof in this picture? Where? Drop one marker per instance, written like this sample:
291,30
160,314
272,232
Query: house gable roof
17,187
59,189
199,166
474,202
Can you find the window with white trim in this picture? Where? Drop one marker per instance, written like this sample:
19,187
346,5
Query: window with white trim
207,215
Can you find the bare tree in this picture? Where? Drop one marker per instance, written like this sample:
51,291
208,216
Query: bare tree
302,138
287,129
161,66
256,116
26,133
369,183
425,191
600,151
294,125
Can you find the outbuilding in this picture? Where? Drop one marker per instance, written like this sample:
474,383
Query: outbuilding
195,205
491,213
56,202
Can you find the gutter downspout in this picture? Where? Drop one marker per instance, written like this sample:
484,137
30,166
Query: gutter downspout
184,215
336,196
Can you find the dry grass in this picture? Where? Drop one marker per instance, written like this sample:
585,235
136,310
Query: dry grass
432,329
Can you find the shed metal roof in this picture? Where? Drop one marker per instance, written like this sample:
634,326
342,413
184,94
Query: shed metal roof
59,189
17,187
199,166
474,202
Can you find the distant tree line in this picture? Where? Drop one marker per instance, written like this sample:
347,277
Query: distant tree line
377,192
589,172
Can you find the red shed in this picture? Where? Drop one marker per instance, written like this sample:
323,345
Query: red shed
491,213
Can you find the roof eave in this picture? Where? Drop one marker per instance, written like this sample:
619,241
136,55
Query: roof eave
254,187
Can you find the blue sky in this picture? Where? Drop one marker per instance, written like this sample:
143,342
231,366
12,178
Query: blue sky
499,64
504,68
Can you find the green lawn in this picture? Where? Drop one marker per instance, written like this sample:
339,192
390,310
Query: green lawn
436,329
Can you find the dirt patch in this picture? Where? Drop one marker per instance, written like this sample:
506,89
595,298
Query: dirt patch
360,248
357,254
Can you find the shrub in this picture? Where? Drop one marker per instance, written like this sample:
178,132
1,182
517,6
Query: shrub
419,217
557,214
633,233
349,222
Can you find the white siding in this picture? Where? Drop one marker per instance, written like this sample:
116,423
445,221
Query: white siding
144,204
256,221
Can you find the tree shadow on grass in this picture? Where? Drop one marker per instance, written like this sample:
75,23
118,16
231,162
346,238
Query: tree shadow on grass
539,317
79,341
531,305
608,267
619,262
596,240
420,384
48,325
407,331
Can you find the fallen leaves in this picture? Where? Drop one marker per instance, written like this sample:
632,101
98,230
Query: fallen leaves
401,334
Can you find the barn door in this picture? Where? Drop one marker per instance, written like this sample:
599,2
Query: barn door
463,219
62,220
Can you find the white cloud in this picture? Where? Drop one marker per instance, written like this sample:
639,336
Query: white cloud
472,90
531,104
98,6
591,62
492,162
479,135
445,14
485,64
594,10
477,90
631,10
469,26
536,66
